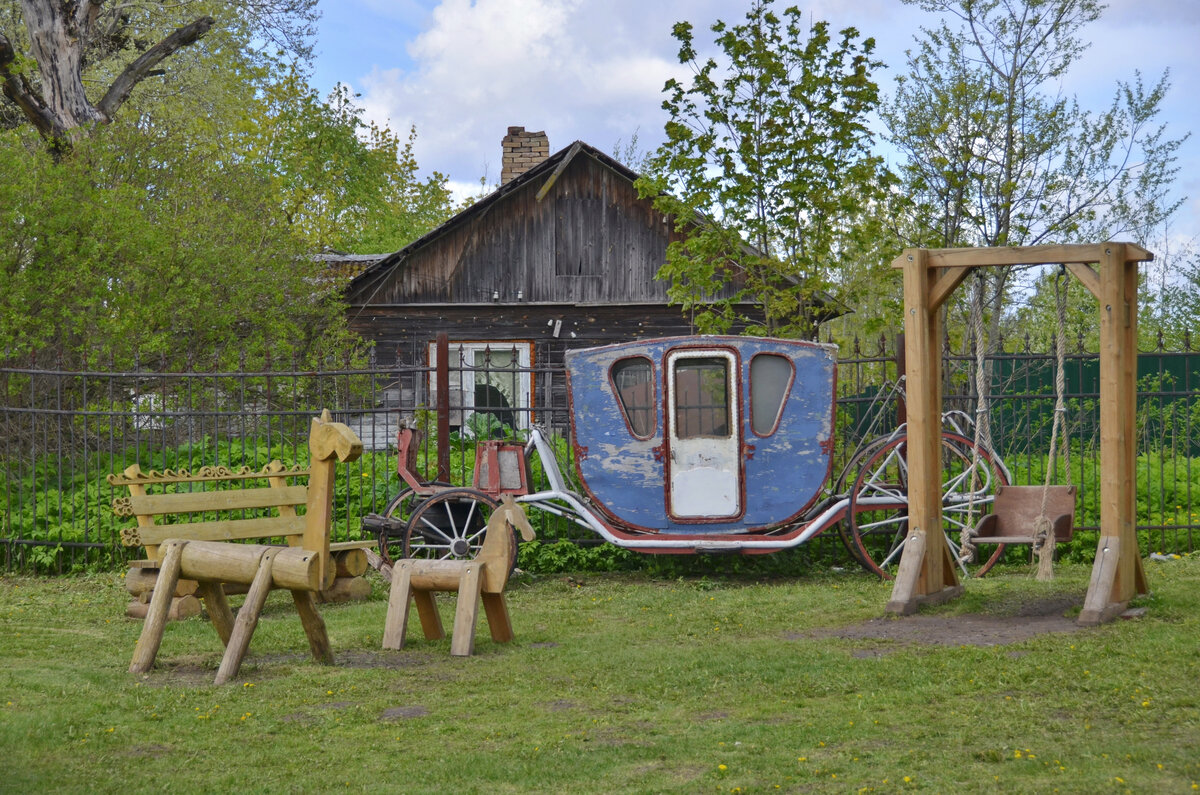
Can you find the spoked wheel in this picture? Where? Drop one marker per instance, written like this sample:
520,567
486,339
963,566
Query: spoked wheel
450,525
845,485
398,513
877,521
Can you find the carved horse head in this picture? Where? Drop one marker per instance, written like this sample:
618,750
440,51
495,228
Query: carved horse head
328,439
498,549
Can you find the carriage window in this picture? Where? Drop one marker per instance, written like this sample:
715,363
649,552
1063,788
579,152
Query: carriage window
633,380
701,397
770,378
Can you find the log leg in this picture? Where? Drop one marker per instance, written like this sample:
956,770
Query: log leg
396,625
466,614
218,609
156,618
247,619
495,606
431,619
314,626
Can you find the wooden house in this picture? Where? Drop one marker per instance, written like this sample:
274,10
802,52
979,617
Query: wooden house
562,255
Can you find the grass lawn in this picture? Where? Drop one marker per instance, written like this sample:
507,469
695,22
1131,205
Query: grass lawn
620,684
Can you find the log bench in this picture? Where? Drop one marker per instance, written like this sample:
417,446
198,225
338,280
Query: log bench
205,549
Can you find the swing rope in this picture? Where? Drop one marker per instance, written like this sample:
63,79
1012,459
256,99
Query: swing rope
1043,529
983,424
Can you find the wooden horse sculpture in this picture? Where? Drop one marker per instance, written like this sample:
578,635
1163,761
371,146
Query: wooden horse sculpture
481,578
208,557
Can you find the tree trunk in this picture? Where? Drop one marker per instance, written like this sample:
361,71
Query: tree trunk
59,32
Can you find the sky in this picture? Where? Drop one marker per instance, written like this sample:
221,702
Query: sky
463,71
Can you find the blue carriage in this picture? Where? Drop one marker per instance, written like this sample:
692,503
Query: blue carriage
703,442
700,444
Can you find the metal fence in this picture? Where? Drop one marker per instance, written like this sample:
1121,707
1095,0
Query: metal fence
62,433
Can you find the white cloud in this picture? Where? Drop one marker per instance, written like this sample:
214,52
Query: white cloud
573,68
463,71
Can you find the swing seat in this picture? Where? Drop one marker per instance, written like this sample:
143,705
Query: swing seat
1015,512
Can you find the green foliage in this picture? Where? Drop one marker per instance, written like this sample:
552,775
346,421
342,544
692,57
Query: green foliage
141,245
1175,304
557,557
484,425
995,155
766,170
343,183
184,230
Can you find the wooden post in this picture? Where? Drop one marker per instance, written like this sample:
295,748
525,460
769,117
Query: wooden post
935,577
443,407
427,612
247,620
395,626
466,614
314,626
218,609
1117,574
495,607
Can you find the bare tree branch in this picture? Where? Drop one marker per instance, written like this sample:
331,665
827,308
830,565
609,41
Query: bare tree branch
17,88
119,91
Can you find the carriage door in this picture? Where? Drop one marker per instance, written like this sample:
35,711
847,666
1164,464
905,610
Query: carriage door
704,465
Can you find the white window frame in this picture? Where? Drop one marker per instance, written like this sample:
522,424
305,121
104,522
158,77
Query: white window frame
464,351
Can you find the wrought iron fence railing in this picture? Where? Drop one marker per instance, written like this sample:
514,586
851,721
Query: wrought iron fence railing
62,433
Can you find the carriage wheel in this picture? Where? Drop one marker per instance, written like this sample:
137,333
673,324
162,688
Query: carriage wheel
878,513
450,526
845,484
400,511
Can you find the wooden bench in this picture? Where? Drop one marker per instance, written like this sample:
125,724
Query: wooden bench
200,549
1016,510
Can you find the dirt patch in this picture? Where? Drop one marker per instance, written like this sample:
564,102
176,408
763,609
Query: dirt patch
186,673
149,751
403,713
390,659
715,715
1030,620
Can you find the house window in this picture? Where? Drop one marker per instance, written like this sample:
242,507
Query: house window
489,378
770,380
633,381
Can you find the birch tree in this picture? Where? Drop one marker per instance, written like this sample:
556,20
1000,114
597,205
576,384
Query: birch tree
995,153
767,169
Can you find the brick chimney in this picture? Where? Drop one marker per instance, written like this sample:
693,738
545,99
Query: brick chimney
521,152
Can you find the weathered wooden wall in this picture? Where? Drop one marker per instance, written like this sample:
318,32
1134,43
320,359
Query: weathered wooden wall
401,333
589,239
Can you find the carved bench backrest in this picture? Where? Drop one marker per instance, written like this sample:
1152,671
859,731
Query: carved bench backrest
220,514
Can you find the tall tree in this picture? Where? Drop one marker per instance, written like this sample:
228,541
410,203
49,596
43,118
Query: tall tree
767,168
994,153
343,183
143,246
120,45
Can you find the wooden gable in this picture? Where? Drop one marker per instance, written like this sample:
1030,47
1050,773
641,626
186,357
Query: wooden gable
572,230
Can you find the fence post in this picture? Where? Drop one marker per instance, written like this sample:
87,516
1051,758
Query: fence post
443,406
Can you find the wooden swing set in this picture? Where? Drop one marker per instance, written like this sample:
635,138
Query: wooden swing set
927,573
